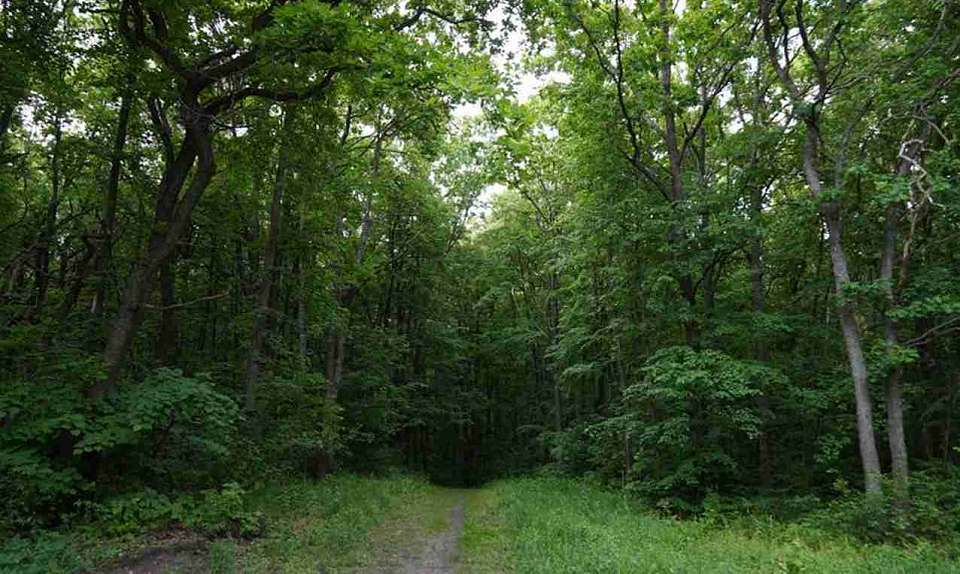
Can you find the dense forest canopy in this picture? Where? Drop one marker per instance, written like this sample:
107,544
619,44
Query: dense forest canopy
714,252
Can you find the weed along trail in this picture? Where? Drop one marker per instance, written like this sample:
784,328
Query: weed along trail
423,539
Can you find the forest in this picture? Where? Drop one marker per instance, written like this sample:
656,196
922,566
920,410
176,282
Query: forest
682,271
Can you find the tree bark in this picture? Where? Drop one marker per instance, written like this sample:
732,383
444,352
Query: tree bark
852,338
171,217
261,321
48,229
336,342
895,430
108,219
809,116
688,290
168,338
301,302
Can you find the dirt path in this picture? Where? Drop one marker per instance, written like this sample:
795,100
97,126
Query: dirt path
427,542
439,552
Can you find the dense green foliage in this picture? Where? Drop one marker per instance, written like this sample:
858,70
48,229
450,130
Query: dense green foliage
713,262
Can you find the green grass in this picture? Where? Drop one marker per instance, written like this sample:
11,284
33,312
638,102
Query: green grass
309,524
549,525
524,525
327,523
484,545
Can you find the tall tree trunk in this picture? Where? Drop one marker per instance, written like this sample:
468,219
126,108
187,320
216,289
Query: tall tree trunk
852,338
336,338
336,342
809,115
759,303
553,327
168,338
100,250
888,261
688,290
108,218
171,217
895,433
262,314
48,229
301,302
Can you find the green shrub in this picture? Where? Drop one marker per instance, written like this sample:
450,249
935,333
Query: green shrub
216,511
42,554
134,512
224,511
302,428
168,430
42,412
725,510
679,431
930,512
576,450
170,426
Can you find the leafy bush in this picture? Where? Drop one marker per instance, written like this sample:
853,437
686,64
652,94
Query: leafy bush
134,512
302,427
47,552
575,451
677,433
217,511
42,411
168,429
223,512
170,425
726,510
930,512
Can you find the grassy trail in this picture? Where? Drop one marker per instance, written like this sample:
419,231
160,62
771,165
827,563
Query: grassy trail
419,539
402,525
556,526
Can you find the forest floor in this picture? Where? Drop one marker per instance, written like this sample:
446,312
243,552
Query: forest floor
425,539
404,525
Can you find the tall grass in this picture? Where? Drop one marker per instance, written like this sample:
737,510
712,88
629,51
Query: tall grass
557,526
325,526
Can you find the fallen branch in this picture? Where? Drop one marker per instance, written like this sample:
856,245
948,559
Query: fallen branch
186,304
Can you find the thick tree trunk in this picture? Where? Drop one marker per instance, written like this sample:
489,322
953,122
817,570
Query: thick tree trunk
168,338
170,219
336,342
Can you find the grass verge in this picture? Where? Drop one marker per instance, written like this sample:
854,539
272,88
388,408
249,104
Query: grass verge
551,525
